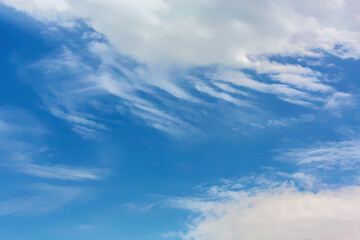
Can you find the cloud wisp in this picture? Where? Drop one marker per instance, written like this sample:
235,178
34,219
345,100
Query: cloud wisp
22,145
172,100
326,155
41,198
175,64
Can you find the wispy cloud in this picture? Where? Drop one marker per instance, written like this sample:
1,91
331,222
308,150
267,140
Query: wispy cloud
284,122
142,207
59,172
220,95
115,86
295,88
345,154
21,145
153,73
88,95
40,198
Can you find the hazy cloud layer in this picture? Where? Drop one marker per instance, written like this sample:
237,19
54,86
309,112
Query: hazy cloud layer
40,198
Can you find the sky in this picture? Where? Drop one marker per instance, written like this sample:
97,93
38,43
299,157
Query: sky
179,120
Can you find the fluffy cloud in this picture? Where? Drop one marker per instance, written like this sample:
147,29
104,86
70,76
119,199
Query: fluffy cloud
306,204
211,31
283,212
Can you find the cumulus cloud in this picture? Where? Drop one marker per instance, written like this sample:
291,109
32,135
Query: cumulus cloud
283,212
306,204
209,31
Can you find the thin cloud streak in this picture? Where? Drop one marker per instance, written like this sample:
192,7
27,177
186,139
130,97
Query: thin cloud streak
167,103
19,147
60,172
40,199
325,155
146,69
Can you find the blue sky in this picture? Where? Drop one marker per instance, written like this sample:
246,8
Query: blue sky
179,120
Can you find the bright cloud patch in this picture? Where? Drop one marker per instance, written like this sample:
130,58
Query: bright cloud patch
302,205
283,212
206,32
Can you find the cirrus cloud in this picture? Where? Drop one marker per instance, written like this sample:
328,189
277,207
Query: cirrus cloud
148,66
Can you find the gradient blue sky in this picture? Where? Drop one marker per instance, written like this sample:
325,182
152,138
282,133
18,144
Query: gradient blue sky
191,120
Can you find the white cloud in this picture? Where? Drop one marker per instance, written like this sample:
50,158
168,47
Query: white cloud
166,40
164,98
283,91
306,204
79,98
339,100
326,155
326,163
287,121
282,213
59,172
221,95
208,31
308,83
227,88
